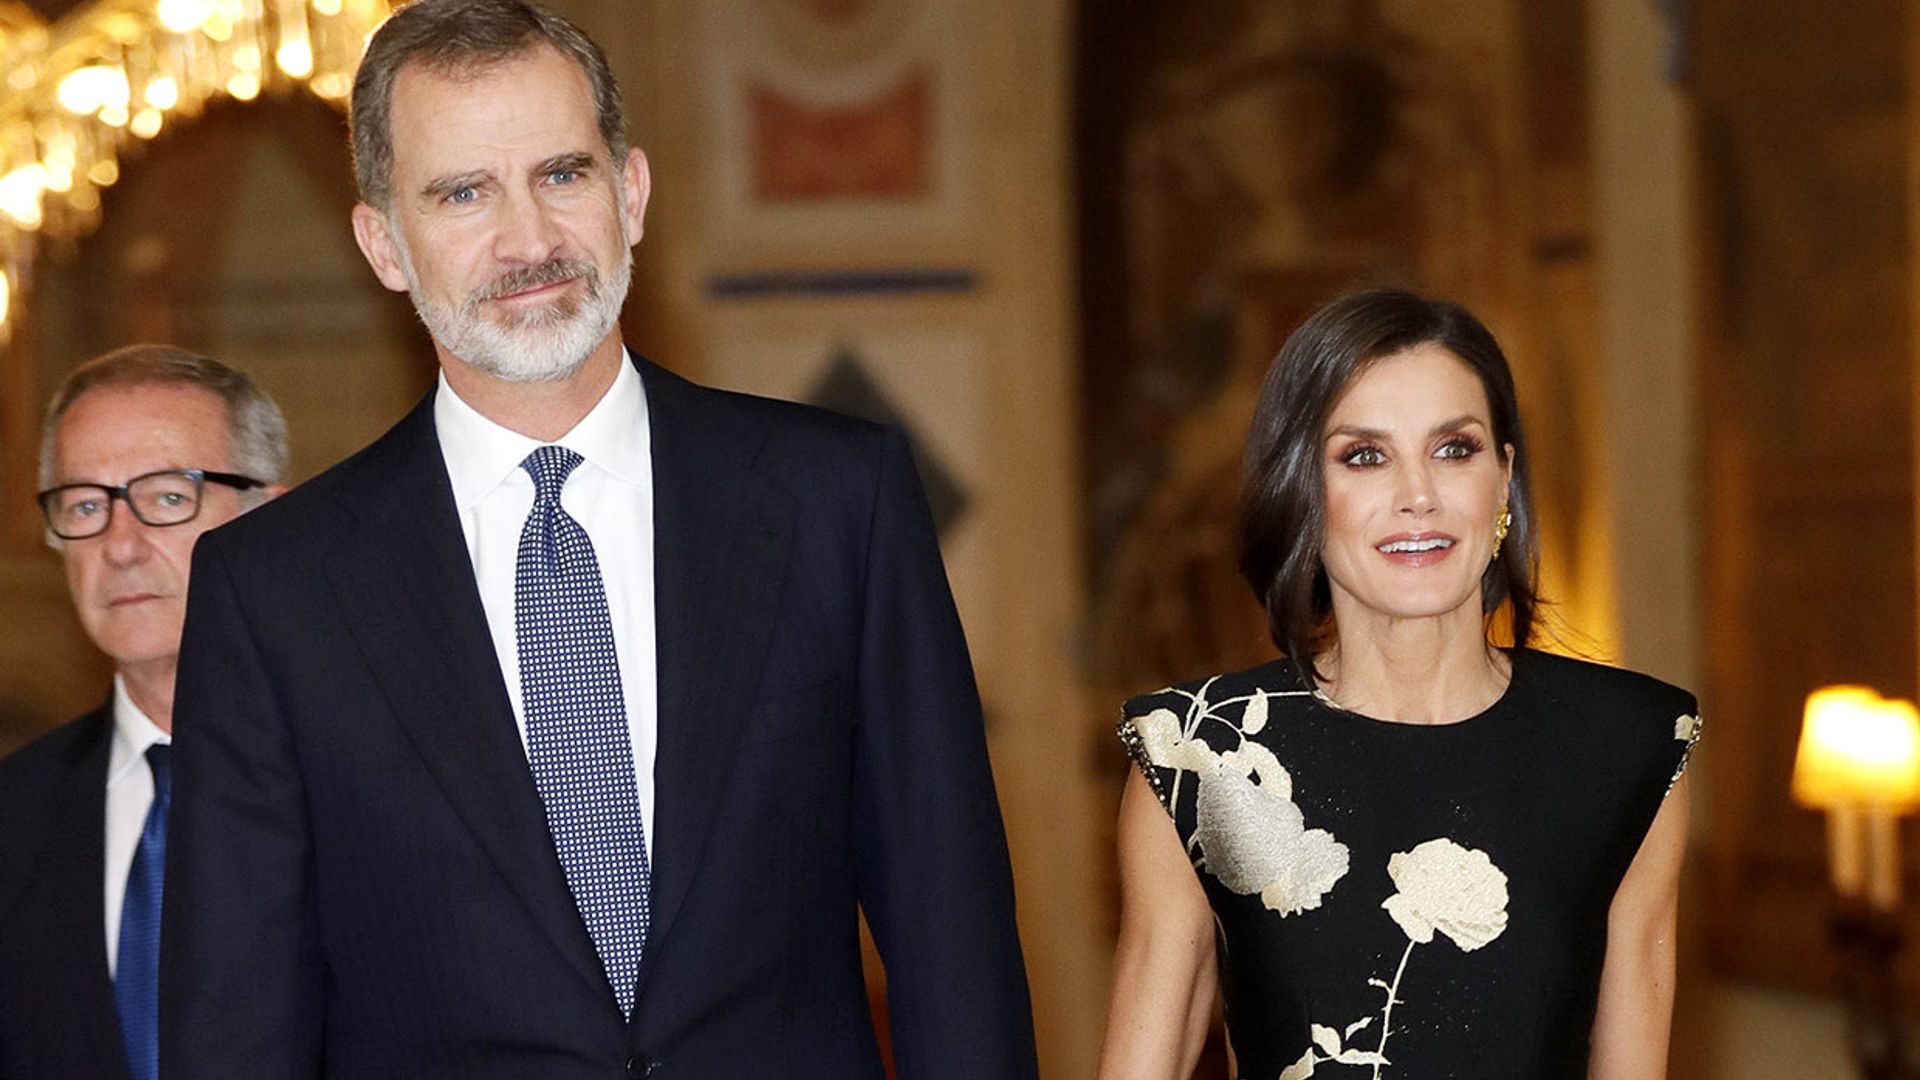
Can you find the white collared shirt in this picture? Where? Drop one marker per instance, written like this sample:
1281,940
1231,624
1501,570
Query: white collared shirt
610,494
129,797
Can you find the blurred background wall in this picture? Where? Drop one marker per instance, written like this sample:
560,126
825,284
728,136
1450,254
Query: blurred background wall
1059,241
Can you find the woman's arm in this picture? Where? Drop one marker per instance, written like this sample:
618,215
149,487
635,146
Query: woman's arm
1164,968
1636,983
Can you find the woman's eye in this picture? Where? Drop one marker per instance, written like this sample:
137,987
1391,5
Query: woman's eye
1457,448
1363,457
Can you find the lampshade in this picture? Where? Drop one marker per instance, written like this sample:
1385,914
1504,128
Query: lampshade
1857,749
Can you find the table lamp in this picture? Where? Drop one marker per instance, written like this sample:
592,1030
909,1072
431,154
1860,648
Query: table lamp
1859,761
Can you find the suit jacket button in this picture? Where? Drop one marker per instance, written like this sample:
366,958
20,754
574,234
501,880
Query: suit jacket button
638,1067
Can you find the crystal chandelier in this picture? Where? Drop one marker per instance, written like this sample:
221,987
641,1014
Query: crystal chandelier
76,92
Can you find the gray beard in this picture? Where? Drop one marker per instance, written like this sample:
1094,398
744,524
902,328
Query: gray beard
545,345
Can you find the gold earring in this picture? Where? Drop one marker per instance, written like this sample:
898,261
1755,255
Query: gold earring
1500,526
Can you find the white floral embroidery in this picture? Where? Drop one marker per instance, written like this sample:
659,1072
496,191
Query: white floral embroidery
1448,888
1169,747
1254,839
1255,717
1299,1070
1442,887
1248,832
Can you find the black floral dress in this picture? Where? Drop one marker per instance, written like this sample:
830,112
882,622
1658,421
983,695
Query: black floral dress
1409,901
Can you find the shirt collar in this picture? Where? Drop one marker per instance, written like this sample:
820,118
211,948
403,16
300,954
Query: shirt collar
480,454
133,733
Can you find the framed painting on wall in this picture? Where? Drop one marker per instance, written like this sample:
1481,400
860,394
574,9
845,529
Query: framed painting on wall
838,127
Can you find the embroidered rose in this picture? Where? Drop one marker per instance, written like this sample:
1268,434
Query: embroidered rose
1254,839
1445,887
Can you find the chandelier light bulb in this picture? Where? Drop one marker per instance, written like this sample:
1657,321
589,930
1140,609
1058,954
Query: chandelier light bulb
162,92
295,57
183,16
88,90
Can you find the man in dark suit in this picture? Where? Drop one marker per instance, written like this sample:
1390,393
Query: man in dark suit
144,449
564,731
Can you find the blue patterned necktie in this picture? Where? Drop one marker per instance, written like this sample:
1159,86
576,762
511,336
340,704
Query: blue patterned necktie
577,738
136,973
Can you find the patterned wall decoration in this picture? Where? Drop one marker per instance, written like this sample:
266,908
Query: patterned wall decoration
836,122
847,387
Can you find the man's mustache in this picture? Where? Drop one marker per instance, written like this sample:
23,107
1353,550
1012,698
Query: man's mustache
551,272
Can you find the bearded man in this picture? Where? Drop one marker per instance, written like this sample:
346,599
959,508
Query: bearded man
565,731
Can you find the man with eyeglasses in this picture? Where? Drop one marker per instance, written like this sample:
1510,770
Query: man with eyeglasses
143,450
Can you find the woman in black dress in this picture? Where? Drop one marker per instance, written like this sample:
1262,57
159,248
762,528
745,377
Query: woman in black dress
1399,850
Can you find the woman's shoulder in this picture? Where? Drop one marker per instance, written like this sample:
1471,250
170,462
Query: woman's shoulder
1161,730
1617,713
1275,675
1587,684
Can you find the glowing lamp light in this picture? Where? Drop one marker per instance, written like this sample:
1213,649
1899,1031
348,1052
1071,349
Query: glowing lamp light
1859,760
329,8
6,297
146,123
245,85
1857,749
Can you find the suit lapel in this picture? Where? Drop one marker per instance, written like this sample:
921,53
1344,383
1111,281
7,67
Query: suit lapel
720,548
73,870
405,580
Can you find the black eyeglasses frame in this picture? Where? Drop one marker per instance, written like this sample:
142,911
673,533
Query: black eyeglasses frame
200,478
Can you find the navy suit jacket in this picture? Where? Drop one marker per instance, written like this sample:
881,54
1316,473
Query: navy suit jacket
360,879
57,1016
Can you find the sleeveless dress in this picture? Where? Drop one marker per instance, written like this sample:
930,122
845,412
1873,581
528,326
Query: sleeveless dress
1409,901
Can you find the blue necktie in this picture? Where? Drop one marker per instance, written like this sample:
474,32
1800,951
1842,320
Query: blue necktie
577,738
136,973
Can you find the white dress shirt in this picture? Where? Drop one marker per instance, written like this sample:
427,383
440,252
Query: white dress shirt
610,494
129,797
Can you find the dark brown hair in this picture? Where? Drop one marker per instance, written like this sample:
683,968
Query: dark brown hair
1283,513
464,37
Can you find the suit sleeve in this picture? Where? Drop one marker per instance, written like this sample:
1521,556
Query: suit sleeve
240,973
935,881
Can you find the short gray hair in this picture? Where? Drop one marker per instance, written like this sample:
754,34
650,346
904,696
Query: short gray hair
256,430
462,38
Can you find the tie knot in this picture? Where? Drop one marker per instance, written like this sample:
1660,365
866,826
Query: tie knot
550,466
160,760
